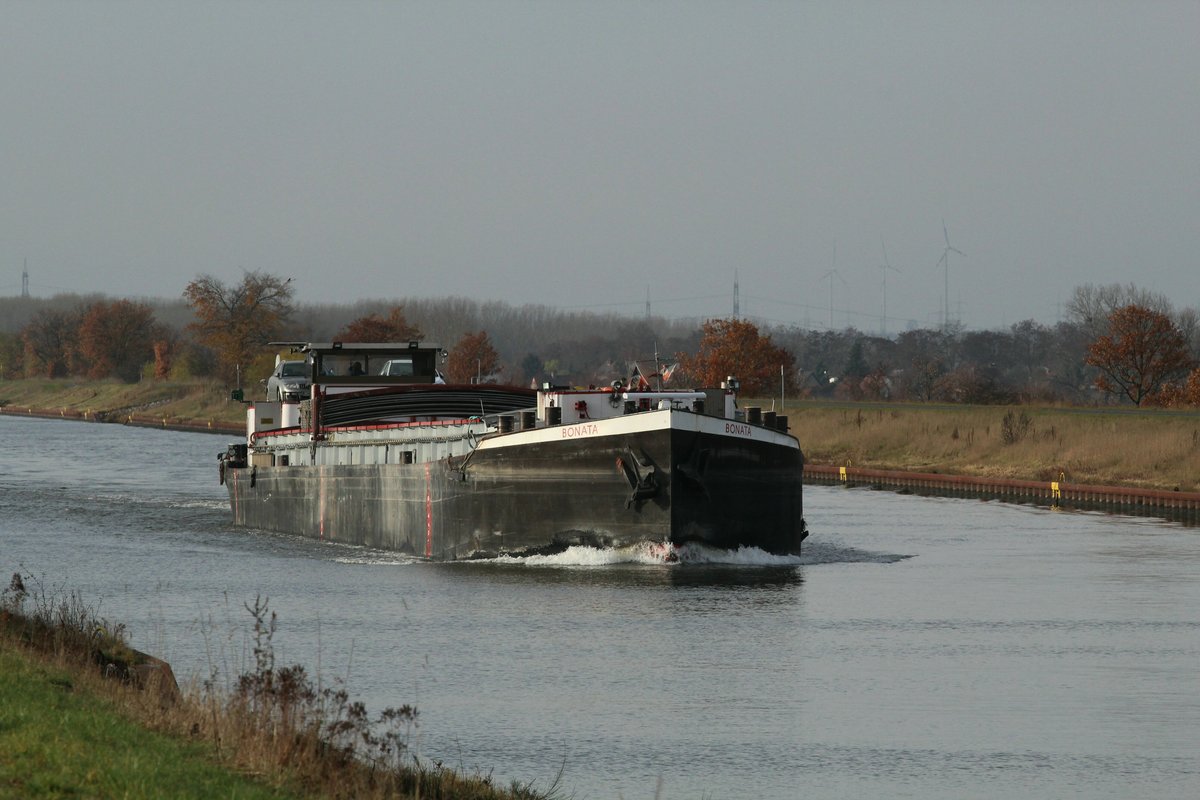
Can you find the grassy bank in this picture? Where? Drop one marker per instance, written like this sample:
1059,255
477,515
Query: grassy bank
84,715
78,718
62,736
195,401
1116,446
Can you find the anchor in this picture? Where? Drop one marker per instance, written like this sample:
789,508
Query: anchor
640,472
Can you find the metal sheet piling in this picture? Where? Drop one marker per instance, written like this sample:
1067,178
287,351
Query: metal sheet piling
1174,505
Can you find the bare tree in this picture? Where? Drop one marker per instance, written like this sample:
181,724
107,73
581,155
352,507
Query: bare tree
1091,306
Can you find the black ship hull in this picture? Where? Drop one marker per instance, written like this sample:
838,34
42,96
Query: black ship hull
688,479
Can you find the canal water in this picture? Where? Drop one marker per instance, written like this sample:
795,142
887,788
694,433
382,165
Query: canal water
920,647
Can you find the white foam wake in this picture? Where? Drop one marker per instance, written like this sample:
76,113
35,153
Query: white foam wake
214,505
743,556
377,559
653,553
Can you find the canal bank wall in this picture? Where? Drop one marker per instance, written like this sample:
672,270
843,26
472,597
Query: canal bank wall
123,417
1174,505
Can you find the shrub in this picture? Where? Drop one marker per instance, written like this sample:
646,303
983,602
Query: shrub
1014,428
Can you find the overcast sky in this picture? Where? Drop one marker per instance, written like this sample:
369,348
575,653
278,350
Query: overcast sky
588,155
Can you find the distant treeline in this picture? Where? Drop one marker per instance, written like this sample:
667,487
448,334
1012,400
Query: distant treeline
1028,361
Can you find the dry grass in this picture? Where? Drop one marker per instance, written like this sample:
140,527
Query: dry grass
1151,449
1118,446
189,401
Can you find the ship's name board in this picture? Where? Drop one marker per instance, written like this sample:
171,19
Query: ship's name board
572,431
737,428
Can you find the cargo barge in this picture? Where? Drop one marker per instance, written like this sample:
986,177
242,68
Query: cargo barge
383,453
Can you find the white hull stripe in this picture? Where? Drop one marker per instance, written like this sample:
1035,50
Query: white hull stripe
642,422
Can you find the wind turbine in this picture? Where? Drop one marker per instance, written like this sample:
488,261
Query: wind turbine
830,275
944,261
883,268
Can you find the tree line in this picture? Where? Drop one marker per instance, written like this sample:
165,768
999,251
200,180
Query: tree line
1116,344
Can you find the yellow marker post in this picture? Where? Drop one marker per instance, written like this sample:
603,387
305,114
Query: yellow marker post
842,473
1055,492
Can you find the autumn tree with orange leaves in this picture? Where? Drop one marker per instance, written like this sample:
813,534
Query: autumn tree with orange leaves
236,321
375,328
117,339
1142,352
472,359
735,347
1186,393
50,341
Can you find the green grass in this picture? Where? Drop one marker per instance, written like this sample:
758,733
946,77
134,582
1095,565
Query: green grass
71,729
59,738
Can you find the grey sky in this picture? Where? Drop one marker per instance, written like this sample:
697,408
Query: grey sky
582,154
